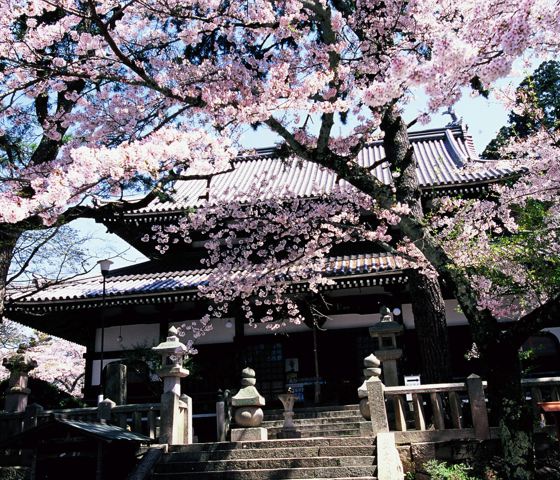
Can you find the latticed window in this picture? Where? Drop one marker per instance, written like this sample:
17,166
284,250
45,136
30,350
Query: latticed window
268,362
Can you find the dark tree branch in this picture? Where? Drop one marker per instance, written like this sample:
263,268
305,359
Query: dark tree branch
32,254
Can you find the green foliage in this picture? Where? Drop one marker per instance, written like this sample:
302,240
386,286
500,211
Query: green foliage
442,471
14,473
529,248
142,353
538,92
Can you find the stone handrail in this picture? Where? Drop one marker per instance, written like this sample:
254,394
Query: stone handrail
86,414
429,388
544,389
439,395
141,418
457,409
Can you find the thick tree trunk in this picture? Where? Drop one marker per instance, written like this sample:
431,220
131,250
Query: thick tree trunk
428,308
428,305
499,352
508,408
8,238
507,405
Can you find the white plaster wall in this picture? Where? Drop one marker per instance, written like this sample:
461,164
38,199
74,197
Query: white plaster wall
555,331
261,329
133,336
351,320
335,322
219,333
453,315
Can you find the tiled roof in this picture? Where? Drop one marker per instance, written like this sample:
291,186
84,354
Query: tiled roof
185,281
441,154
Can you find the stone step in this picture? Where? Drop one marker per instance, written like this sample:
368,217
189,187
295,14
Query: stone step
264,464
322,408
305,413
276,474
303,422
280,443
325,433
318,428
286,452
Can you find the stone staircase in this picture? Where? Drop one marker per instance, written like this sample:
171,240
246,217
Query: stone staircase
329,447
318,458
337,421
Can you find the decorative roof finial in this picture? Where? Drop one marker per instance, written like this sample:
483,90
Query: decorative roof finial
455,121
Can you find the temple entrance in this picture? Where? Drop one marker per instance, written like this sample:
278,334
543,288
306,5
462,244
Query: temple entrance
290,362
284,361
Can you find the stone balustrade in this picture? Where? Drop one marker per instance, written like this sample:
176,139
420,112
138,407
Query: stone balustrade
450,410
543,389
141,418
435,394
446,410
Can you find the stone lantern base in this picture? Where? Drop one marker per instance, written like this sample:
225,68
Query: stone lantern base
249,434
289,433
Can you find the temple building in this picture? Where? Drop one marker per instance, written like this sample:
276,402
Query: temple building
141,302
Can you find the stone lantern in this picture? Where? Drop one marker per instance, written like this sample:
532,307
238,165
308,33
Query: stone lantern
386,332
19,365
176,409
248,412
173,353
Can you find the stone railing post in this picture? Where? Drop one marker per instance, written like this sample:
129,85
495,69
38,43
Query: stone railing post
221,417
372,368
377,409
171,429
477,401
372,398
19,365
104,410
31,417
186,412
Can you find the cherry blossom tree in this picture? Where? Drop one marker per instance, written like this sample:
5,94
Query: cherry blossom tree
99,95
42,258
59,362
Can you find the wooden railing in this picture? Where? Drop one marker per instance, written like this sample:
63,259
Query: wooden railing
140,418
456,406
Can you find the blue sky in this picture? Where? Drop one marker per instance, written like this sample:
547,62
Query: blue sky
483,117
